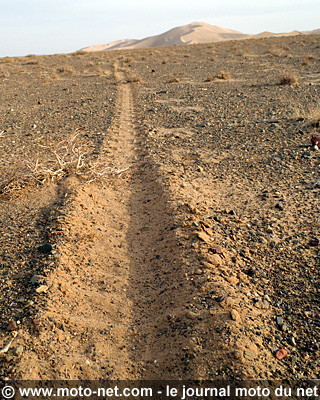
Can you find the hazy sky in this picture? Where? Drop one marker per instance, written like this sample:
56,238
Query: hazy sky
61,26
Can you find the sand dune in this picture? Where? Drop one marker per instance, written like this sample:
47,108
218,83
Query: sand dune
196,32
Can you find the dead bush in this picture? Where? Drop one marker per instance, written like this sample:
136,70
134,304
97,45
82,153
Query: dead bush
289,79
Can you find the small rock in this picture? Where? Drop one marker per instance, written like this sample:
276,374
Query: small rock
238,354
191,315
281,354
251,272
279,206
42,289
280,322
235,316
220,299
45,248
292,341
215,249
307,154
315,140
12,326
34,279
249,354
203,236
19,350
314,242
214,259
262,304
317,183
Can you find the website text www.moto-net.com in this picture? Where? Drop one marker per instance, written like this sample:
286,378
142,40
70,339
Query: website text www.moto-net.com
158,390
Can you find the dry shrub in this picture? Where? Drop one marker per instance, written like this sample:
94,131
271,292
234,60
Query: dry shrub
306,113
173,80
4,74
68,157
132,79
6,60
276,51
67,69
307,60
79,53
224,75
288,79
104,72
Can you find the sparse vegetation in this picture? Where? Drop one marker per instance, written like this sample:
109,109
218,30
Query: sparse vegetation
173,80
224,75
307,60
68,157
288,79
67,69
310,115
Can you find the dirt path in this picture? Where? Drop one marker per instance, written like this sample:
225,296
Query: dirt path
113,297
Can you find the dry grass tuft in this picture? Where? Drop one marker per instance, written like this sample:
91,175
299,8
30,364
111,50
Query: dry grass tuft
132,79
307,60
6,60
79,53
173,80
68,157
67,69
224,76
310,115
276,51
288,79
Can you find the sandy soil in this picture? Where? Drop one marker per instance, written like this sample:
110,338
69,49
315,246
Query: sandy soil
160,213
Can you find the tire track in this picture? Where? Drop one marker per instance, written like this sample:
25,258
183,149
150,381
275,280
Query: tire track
119,302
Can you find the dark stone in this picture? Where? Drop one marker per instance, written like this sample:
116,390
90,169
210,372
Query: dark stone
279,206
45,248
251,272
314,242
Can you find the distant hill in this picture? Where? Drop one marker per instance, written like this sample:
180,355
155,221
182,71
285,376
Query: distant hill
196,32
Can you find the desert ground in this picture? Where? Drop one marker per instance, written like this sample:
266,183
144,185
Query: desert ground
160,213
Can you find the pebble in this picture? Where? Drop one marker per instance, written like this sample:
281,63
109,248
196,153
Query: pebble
12,326
214,259
235,316
19,350
251,272
42,289
281,354
45,248
34,279
279,206
279,321
215,249
203,236
191,315
314,242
